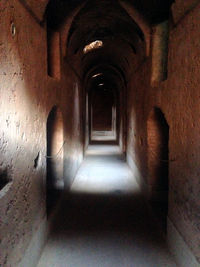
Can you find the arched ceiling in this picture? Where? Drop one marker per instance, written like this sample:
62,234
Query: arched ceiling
153,10
104,78
115,53
124,42
108,22
108,75
101,19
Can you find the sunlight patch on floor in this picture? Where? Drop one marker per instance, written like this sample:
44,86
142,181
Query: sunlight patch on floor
104,171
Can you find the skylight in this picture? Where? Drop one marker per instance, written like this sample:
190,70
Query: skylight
96,75
92,46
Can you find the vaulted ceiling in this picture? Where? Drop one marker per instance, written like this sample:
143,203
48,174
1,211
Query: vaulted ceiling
124,43
154,11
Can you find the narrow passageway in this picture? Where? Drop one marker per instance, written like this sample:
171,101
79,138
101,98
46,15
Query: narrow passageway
104,220
100,133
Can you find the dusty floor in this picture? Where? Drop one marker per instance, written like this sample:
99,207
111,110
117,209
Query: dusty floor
103,136
104,221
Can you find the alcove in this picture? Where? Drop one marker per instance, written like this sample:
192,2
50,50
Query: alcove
55,146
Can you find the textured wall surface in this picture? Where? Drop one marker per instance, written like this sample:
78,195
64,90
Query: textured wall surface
178,98
27,96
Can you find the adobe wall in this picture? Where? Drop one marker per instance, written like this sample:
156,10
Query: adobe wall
27,97
178,98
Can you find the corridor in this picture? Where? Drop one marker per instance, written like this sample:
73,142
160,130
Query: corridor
104,221
100,133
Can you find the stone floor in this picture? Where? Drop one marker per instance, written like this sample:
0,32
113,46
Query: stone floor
103,136
104,221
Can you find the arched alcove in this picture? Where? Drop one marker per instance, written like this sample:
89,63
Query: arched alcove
55,145
158,159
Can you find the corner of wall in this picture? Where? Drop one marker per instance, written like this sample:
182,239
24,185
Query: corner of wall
179,249
143,187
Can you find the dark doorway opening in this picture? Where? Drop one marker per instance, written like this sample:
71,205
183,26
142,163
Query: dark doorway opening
158,162
103,114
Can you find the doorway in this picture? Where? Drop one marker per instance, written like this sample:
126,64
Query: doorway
158,161
103,115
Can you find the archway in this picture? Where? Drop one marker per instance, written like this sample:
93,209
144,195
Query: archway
158,161
108,82
103,114
55,143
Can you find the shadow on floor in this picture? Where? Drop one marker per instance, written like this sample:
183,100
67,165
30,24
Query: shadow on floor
115,211
105,230
104,221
